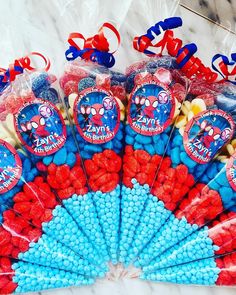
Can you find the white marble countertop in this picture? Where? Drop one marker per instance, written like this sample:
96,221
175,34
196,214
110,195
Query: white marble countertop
44,26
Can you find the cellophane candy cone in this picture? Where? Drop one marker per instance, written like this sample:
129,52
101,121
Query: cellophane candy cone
40,128
219,270
217,237
95,99
156,90
20,277
212,195
191,151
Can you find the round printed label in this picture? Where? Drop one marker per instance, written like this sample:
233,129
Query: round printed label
96,115
151,108
231,171
10,167
40,127
206,133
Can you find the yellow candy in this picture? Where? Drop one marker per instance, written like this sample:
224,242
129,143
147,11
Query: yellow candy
197,106
71,99
233,142
230,149
181,121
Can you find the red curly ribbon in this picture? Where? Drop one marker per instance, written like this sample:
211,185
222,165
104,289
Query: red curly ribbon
21,64
97,42
192,66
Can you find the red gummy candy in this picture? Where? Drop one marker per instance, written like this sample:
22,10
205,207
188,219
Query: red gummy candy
62,173
90,166
119,92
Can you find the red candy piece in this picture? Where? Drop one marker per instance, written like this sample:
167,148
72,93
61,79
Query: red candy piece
195,207
70,87
103,171
119,92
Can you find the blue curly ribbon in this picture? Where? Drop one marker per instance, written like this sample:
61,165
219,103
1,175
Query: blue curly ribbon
222,68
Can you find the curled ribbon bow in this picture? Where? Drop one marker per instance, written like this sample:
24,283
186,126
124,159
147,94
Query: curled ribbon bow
8,75
223,66
95,48
188,63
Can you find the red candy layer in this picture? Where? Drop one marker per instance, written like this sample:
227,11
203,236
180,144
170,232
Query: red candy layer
16,234
66,181
6,275
223,232
103,171
36,202
201,205
227,264
172,184
140,165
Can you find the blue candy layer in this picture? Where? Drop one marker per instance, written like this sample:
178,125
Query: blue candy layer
178,155
150,222
154,145
173,231
48,252
196,246
87,150
132,204
202,272
108,211
33,278
83,211
65,230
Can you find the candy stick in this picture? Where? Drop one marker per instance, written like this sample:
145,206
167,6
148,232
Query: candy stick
18,277
204,136
41,129
156,90
96,104
219,270
215,238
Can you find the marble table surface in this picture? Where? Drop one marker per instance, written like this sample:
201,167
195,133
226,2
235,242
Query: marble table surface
32,25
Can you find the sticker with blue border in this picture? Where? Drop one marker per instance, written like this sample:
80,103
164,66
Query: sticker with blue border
40,127
206,133
151,108
96,115
231,171
10,167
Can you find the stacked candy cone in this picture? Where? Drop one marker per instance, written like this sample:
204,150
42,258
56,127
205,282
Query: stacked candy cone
156,91
194,161
96,105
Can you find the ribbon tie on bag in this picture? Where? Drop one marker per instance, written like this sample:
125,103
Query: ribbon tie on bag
188,63
24,63
95,48
222,67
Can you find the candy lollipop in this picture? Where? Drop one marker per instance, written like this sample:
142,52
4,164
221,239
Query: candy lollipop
156,90
97,108
219,270
190,155
20,277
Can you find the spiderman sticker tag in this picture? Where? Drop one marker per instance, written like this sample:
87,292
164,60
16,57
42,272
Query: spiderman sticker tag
10,167
206,133
96,115
40,127
151,108
231,171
